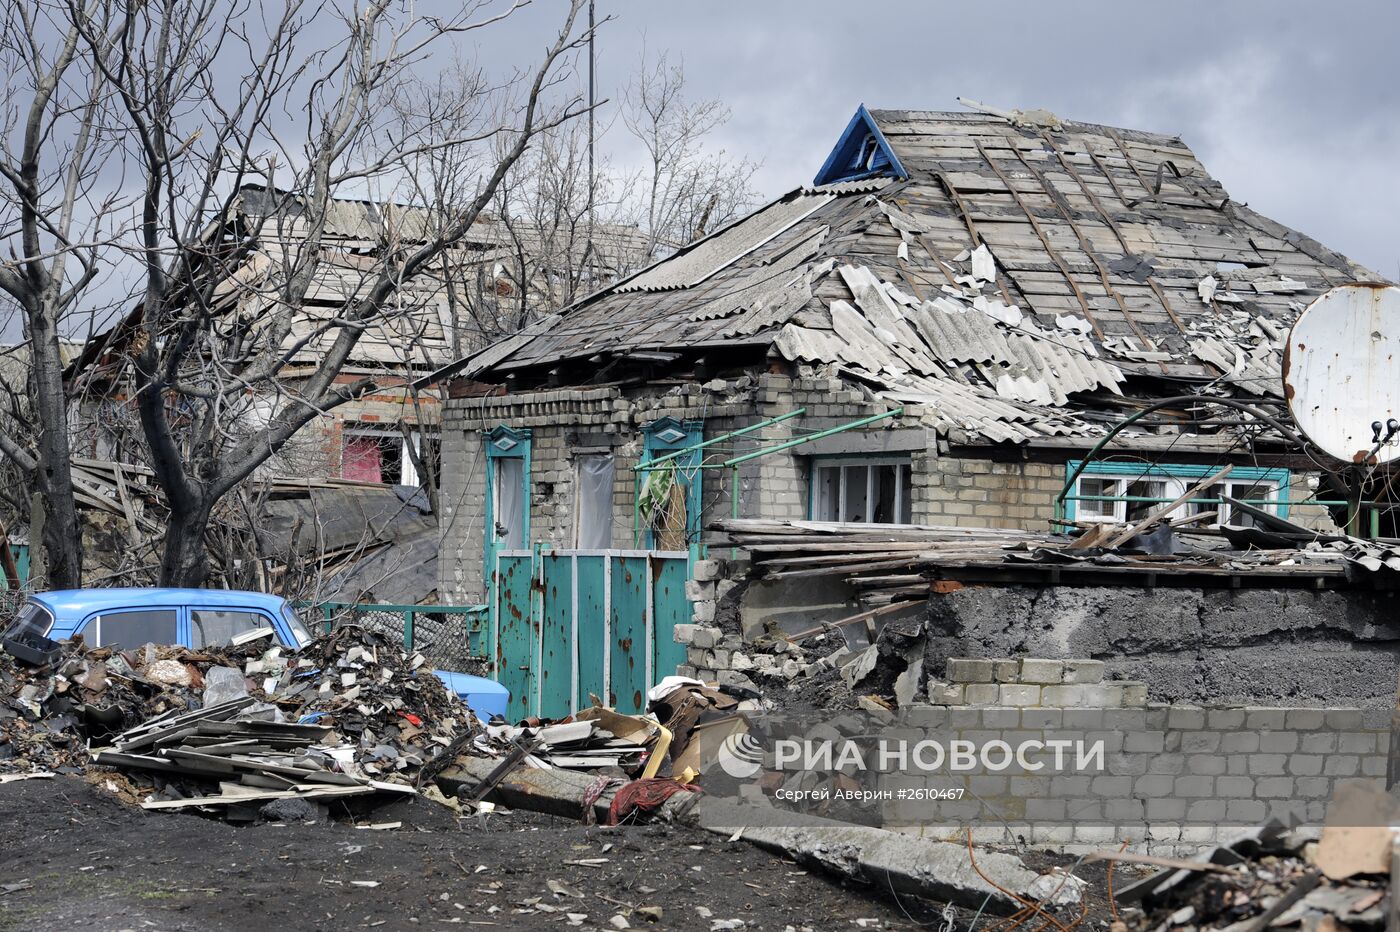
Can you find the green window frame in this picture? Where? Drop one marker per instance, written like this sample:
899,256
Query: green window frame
1122,490
505,444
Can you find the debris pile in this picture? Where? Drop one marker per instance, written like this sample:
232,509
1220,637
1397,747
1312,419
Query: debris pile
889,566
372,542
1272,878
595,739
240,745
387,704
348,714
49,714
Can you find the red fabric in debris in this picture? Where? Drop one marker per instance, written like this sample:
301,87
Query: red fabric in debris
362,460
645,795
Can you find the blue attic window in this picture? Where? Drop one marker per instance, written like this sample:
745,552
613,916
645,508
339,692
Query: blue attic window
862,152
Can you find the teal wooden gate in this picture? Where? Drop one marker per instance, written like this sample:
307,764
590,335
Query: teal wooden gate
571,624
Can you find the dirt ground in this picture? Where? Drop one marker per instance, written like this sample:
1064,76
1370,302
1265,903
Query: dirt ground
93,862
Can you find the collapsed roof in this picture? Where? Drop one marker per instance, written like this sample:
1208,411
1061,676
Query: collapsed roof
415,333
993,272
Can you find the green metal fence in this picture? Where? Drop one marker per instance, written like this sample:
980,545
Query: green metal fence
452,637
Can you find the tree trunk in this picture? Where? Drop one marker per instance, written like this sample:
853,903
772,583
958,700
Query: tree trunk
53,475
183,561
7,562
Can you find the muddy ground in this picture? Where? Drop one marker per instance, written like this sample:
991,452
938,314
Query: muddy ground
93,862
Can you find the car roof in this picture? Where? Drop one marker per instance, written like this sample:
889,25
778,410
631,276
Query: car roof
70,602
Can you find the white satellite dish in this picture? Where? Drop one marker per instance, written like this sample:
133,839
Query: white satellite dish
1341,372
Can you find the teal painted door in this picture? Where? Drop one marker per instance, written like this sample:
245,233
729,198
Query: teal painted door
517,639
573,624
556,635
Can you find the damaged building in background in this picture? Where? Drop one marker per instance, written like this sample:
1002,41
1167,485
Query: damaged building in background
939,331
345,510
459,303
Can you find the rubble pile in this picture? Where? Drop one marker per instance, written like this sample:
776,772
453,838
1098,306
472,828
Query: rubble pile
348,714
49,714
1272,878
386,704
578,743
243,748
607,743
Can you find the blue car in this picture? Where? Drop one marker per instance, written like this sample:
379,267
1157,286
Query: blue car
195,618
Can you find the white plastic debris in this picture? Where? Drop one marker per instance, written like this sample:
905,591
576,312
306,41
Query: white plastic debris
1206,288
984,266
1073,323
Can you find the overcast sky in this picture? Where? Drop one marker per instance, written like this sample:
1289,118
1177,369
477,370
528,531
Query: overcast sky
1293,106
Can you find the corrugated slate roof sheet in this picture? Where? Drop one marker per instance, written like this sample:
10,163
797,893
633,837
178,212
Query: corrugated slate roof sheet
1016,268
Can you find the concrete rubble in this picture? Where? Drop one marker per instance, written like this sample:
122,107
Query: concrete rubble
1271,877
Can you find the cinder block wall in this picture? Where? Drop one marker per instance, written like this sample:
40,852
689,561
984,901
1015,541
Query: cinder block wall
981,493
1177,776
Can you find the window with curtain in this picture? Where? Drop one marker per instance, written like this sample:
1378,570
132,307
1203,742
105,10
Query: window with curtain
508,499
593,494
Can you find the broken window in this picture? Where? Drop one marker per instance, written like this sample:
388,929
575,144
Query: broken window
1261,493
210,627
1092,494
1137,491
862,491
593,494
1125,500
373,456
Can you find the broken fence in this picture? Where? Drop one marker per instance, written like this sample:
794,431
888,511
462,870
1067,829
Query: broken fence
457,638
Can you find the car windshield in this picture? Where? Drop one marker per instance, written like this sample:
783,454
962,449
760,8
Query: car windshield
33,618
303,637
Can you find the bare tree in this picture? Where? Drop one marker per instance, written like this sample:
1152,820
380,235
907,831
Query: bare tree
55,137
548,237
202,99
686,189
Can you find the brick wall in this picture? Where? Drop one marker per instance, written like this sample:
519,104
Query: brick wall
946,490
772,486
461,501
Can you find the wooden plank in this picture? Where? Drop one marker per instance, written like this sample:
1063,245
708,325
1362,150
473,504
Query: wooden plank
1158,514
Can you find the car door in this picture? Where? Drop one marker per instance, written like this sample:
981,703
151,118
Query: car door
128,628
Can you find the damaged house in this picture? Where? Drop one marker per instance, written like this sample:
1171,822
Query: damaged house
939,330
500,273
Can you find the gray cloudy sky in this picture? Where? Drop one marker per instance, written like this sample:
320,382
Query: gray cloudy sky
1293,106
